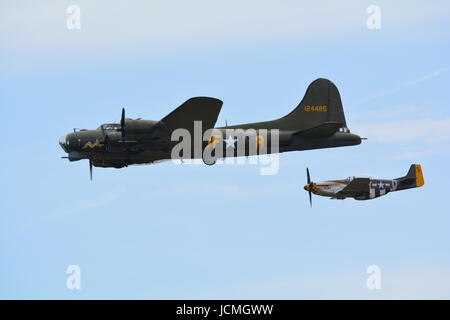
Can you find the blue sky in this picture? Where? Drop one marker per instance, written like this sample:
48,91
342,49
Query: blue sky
192,231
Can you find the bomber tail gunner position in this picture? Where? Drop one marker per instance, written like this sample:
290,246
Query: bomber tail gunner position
364,188
317,122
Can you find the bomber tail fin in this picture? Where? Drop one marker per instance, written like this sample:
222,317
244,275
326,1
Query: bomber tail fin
413,179
321,104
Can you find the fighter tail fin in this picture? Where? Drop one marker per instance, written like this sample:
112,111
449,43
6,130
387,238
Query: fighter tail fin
413,179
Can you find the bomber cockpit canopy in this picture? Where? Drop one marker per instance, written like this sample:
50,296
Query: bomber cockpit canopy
109,126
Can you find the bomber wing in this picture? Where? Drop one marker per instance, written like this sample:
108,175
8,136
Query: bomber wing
357,187
202,109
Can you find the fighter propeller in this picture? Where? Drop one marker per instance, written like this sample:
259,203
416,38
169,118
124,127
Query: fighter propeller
310,186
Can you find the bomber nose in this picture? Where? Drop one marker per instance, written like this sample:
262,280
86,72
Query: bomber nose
306,187
63,143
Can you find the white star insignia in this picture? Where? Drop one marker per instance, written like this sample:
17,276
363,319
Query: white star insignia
230,141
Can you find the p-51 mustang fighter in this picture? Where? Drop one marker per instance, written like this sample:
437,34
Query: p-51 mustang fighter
317,122
364,188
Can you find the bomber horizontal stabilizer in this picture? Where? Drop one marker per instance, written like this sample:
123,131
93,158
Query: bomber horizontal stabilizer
325,129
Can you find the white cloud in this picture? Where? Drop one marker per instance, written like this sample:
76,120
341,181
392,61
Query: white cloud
407,155
408,84
377,113
174,23
90,203
430,131
411,283
214,189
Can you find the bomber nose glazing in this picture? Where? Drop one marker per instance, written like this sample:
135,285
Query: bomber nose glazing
63,143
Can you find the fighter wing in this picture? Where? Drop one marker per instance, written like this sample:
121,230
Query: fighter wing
357,187
202,109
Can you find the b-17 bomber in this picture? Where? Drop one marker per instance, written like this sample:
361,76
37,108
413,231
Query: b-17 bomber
363,188
317,122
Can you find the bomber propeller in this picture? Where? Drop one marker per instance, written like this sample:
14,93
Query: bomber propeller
122,124
90,168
